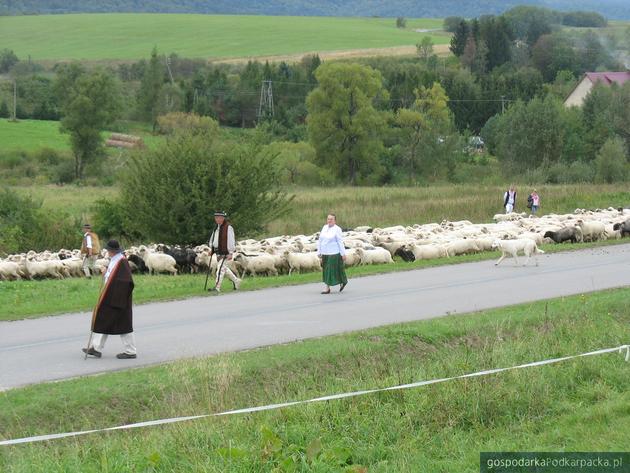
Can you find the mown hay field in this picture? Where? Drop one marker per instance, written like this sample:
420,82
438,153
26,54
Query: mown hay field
133,36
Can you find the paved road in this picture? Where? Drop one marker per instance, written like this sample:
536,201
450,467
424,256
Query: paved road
32,351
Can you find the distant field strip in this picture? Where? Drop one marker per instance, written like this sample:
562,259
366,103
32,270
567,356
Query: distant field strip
132,36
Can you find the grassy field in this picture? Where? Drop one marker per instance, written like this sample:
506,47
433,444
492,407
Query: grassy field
578,405
31,135
32,299
133,36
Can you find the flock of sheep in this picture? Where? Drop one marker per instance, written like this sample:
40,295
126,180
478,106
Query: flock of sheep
365,245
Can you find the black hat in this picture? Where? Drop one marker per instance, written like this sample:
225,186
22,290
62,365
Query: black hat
220,213
113,245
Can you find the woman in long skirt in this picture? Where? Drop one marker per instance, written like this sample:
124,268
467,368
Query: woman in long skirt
332,253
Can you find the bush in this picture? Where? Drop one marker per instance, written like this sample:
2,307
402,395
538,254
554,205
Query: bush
401,22
169,194
180,121
611,162
110,221
24,225
576,172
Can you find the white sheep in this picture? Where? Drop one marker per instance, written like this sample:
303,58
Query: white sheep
374,256
37,269
158,262
462,247
258,264
591,231
10,270
303,261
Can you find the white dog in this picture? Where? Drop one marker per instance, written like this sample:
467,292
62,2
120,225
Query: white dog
512,247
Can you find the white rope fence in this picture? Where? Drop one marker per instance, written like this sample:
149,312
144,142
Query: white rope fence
269,407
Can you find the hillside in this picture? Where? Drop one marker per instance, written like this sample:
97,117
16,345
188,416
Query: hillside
125,36
613,9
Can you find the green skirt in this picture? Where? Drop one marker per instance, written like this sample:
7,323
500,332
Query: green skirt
333,270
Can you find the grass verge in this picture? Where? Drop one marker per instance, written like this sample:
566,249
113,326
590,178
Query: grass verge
441,428
31,299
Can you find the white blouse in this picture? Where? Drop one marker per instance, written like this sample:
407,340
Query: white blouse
330,241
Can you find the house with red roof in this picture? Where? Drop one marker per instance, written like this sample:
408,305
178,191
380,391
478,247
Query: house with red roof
579,93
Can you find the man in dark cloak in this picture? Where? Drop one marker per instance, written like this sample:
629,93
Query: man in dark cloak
113,312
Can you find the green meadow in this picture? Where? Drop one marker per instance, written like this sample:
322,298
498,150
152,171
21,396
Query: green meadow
31,135
132,36
577,405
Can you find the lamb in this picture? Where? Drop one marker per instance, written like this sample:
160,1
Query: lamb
375,256
303,261
591,231
158,262
512,247
572,234
258,264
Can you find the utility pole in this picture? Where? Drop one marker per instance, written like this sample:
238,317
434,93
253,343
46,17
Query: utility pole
265,108
14,100
168,66
169,101
502,103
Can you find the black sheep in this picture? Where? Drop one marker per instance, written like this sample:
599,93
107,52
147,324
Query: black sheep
573,234
139,262
624,227
405,254
184,258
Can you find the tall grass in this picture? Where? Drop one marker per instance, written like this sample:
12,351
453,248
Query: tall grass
382,206
579,405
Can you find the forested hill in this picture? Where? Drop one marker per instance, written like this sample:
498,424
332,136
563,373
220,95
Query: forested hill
612,9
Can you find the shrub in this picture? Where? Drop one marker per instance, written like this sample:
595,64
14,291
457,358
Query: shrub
180,121
169,194
24,225
576,172
611,161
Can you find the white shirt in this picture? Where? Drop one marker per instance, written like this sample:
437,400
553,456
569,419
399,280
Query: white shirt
231,241
330,241
112,264
88,240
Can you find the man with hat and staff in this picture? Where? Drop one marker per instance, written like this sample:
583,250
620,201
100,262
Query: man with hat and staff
90,248
223,244
113,312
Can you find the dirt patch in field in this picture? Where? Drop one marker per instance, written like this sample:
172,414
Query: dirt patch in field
439,49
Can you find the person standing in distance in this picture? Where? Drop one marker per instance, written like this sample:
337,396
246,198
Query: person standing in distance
509,199
113,313
90,248
332,253
223,244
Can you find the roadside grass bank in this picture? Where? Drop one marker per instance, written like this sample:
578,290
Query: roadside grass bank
570,406
32,299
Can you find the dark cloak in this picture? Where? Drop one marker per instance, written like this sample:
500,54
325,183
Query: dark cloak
113,313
